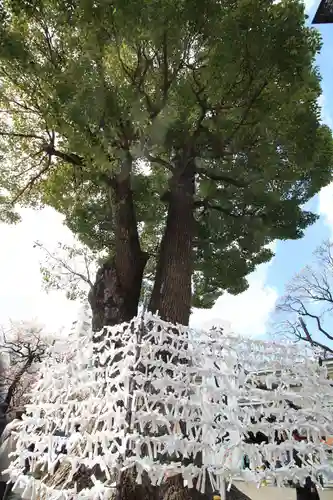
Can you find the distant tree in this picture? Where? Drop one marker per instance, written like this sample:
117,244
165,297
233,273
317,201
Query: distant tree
22,348
305,312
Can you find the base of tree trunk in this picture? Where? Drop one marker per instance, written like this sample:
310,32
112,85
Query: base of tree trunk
308,492
172,489
109,302
236,494
129,489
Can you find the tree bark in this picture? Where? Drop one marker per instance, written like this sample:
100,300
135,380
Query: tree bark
172,292
308,492
114,298
171,296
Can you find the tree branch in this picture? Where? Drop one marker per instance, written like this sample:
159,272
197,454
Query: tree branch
255,96
12,388
22,136
33,180
160,161
308,338
86,263
317,319
25,354
220,177
24,160
72,158
23,106
165,65
206,205
310,295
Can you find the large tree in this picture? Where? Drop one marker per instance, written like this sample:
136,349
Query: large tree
22,350
182,134
179,136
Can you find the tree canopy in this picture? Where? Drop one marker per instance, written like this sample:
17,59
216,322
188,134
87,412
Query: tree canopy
94,90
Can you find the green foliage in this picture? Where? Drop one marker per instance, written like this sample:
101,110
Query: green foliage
230,84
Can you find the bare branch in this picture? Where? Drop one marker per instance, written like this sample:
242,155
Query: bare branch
317,319
310,295
25,348
309,338
66,265
22,136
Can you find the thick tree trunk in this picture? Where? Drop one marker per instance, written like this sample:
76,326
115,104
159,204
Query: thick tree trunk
114,298
3,392
308,492
115,295
171,296
172,292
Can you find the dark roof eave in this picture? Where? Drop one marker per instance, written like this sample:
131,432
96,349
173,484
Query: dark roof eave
324,14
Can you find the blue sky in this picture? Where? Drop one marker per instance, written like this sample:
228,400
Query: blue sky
291,256
22,296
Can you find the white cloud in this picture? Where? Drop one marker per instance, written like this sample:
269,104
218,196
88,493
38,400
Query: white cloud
21,294
246,313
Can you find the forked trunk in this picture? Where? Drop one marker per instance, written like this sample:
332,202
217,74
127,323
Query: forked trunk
308,492
115,295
